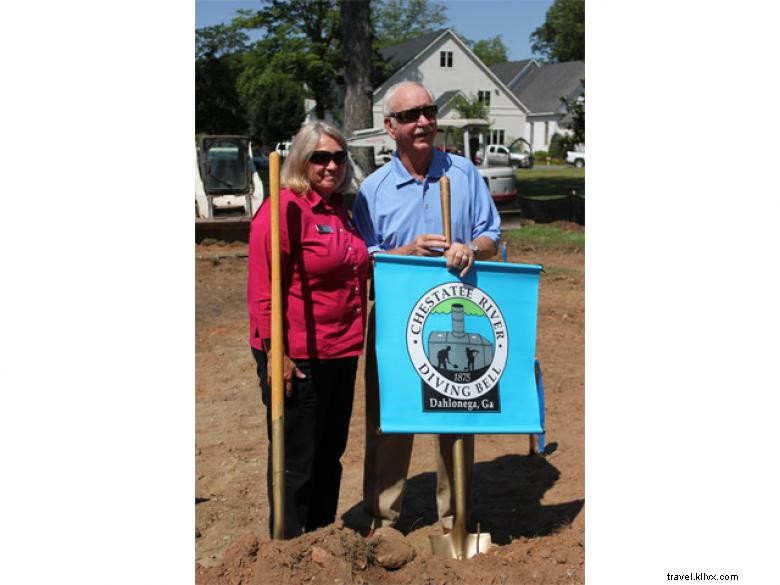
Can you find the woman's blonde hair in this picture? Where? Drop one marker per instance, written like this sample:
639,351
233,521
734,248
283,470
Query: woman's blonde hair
303,144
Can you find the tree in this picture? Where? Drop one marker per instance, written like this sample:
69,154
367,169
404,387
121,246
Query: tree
218,51
472,108
576,109
491,51
358,101
396,21
274,105
219,40
302,40
562,36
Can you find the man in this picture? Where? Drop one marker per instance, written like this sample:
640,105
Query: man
398,211
444,357
470,353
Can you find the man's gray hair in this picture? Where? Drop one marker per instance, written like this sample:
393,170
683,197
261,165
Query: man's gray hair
390,94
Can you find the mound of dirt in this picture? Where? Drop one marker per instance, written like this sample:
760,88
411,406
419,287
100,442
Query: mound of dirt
336,554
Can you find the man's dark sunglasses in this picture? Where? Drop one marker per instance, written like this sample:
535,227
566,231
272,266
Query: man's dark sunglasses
323,157
407,116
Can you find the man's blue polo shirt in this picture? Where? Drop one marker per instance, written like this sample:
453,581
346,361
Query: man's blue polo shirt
392,208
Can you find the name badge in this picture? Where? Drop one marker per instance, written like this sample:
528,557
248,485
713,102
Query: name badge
324,229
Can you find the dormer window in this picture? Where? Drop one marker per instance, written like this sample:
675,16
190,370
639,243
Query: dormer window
445,58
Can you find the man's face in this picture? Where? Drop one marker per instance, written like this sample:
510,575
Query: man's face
416,136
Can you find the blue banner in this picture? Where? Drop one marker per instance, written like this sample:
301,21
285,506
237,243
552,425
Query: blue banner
456,355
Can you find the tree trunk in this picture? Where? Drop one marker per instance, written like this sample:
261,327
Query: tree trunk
358,101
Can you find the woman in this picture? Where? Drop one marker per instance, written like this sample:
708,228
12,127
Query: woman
324,270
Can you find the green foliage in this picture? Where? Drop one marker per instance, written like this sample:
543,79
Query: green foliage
562,36
576,109
396,21
302,39
540,157
218,52
559,144
491,51
472,108
274,105
219,40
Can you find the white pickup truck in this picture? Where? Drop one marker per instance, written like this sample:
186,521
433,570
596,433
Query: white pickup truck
517,155
575,158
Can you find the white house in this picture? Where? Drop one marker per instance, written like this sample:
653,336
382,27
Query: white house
523,97
540,88
448,68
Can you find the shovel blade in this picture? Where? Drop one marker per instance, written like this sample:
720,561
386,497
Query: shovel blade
447,545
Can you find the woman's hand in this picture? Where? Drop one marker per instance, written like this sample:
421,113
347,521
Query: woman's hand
289,370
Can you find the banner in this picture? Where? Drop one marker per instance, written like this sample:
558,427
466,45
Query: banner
456,355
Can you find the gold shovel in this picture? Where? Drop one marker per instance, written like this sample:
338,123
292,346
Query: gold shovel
458,544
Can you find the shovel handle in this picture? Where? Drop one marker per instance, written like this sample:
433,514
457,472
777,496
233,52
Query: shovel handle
277,355
446,218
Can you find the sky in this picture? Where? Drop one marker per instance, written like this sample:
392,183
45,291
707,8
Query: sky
514,20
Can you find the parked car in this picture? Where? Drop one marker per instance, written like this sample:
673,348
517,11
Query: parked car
575,158
517,155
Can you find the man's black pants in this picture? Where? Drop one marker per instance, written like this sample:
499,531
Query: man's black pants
316,426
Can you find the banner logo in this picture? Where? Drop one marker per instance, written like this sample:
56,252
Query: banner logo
457,340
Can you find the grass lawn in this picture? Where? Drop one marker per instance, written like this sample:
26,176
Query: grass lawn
541,182
545,236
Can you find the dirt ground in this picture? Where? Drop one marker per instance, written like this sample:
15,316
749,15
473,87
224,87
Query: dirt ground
531,505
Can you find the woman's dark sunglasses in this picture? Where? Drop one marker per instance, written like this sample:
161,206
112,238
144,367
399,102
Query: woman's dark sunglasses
407,116
323,157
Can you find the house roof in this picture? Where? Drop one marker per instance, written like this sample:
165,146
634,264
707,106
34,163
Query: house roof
400,54
541,89
509,71
446,97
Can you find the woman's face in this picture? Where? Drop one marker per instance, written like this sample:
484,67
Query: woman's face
326,177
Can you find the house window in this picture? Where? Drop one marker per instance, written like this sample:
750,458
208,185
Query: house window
484,97
496,136
445,58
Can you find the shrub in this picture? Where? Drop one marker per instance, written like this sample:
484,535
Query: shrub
540,157
559,144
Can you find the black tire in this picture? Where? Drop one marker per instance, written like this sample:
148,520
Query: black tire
579,163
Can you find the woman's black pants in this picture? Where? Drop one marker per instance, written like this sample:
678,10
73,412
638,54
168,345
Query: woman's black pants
316,426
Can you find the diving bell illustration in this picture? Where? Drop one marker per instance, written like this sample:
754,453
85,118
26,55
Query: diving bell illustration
458,354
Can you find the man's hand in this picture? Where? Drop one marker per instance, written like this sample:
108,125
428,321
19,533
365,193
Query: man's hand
426,245
459,257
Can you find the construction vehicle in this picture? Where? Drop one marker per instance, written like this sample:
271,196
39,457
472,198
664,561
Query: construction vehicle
228,190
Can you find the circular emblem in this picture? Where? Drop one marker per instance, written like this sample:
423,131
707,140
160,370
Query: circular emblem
457,340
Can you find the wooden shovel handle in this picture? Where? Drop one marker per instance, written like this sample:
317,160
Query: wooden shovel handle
446,218
277,355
